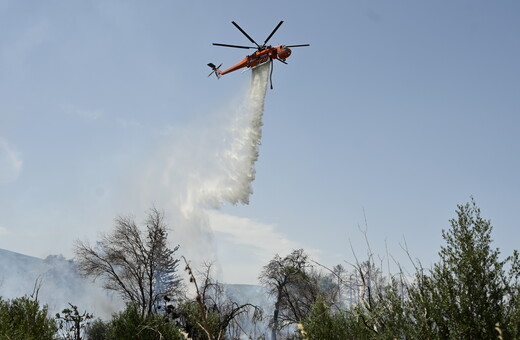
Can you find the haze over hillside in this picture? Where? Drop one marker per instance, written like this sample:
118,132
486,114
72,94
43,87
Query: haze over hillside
61,283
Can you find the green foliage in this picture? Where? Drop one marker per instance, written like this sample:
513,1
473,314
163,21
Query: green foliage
197,325
421,307
469,290
386,314
97,330
469,294
23,318
381,313
130,324
321,324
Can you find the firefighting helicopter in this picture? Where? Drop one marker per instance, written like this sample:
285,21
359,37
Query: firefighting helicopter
264,53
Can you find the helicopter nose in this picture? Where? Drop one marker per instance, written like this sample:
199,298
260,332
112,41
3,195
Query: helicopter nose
284,53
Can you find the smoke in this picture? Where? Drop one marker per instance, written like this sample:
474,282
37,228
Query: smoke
55,282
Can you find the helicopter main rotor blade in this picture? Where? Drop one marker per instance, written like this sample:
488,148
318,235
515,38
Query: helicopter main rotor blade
275,29
244,33
298,45
235,46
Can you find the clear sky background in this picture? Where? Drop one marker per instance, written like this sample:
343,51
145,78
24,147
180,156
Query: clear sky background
399,111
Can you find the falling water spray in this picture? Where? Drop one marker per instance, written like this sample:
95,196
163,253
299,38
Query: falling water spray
208,165
233,171
246,133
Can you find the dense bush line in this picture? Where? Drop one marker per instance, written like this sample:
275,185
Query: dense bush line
469,294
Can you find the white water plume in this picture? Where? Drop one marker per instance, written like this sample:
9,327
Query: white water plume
207,165
235,162
213,162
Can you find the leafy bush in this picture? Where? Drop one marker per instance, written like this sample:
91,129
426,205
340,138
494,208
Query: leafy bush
23,318
322,324
97,330
129,324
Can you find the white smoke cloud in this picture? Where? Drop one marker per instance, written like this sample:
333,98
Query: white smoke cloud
246,245
253,244
262,239
10,163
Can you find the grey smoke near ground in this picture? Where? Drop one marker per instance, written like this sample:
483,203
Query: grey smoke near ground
56,282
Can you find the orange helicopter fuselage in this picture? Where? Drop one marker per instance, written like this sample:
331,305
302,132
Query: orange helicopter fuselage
281,52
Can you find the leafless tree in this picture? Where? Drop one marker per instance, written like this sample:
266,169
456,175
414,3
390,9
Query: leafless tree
138,264
36,289
213,315
72,324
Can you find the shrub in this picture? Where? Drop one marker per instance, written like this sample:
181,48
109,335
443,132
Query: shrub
23,318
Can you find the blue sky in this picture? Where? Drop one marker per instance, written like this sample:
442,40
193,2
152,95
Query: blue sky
398,111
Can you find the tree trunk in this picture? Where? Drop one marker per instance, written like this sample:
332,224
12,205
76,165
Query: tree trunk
275,314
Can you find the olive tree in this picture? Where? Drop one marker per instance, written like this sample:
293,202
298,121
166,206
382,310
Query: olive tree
471,289
472,292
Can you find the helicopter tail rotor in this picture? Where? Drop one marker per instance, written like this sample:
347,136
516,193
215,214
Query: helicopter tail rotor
215,69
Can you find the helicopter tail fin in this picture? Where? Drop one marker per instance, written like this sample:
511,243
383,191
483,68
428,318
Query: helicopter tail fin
215,69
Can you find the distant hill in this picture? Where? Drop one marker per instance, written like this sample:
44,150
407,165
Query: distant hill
59,280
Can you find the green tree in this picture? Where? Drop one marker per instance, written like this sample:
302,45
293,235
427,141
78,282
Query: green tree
469,291
23,318
470,281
